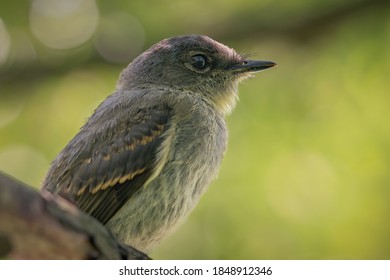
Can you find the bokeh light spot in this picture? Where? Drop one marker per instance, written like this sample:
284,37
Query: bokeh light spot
23,50
63,24
119,38
5,43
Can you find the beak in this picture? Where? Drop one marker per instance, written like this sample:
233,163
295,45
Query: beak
251,66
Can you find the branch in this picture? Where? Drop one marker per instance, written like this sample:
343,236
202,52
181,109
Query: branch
37,225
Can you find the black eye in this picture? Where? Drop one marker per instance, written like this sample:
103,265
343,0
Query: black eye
199,61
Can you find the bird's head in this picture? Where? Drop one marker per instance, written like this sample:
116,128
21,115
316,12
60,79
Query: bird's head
193,63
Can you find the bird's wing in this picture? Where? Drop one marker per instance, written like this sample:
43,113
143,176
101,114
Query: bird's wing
117,166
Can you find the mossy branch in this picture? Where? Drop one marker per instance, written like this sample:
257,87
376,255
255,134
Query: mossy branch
38,225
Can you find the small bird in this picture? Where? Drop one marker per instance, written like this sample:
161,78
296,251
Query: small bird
143,159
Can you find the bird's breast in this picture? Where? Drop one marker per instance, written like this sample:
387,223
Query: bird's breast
194,154
197,151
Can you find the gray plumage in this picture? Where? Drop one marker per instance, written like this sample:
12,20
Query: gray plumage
146,155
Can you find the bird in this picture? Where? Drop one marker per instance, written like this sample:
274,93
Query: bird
148,152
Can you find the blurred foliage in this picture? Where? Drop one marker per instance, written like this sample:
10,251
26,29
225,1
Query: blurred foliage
306,175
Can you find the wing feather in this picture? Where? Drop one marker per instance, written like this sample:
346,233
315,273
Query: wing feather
102,179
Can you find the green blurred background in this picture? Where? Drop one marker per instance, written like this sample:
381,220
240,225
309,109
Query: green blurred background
306,175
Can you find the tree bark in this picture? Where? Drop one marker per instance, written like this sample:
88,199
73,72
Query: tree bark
37,225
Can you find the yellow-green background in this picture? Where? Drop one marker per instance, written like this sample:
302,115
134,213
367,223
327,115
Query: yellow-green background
307,171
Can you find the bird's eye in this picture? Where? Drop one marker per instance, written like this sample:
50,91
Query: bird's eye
199,61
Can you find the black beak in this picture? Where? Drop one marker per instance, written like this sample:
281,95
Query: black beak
251,66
